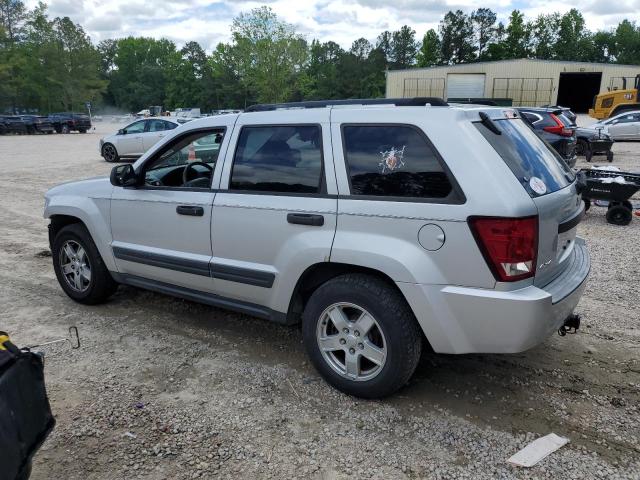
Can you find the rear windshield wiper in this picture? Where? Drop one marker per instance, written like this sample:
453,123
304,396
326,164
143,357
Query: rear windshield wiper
487,122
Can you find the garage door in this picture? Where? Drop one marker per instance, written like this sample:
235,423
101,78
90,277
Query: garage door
465,85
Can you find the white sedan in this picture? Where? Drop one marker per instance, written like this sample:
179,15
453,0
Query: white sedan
624,126
136,138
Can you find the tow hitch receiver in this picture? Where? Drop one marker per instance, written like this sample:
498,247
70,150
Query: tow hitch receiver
571,325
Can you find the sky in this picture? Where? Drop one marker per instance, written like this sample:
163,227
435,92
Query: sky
208,21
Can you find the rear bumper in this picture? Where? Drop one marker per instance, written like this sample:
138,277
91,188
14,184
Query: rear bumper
471,320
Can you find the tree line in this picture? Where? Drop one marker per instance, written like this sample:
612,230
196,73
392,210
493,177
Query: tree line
51,64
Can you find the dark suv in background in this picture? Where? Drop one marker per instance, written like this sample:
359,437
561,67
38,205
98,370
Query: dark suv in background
67,122
552,126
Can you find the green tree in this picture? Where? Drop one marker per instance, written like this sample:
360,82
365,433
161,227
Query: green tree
544,34
13,14
516,42
456,38
573,40
484,21
627,43
270,53
404,47
429,53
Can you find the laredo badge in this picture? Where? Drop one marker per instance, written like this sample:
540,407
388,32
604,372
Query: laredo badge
391,159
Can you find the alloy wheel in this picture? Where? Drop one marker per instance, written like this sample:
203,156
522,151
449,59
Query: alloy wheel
351,341
75,266
109,153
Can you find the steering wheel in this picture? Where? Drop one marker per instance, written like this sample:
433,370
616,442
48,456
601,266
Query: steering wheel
189,166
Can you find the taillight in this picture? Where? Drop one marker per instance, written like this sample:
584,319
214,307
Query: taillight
509,245
559,128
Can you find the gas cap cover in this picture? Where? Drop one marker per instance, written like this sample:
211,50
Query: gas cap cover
431,237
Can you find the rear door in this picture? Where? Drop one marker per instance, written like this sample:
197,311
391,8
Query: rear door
275,212
155,131
551,185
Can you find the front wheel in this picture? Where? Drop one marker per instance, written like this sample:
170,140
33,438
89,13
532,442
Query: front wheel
79,267
361,335
109,153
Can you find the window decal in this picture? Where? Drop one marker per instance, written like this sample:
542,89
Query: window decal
392,159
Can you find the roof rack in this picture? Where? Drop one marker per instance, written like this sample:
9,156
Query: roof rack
398,102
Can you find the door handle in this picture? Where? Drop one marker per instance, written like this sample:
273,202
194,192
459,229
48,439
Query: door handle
305,219
192,210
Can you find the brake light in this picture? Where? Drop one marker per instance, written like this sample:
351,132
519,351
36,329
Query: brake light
559,128
509,245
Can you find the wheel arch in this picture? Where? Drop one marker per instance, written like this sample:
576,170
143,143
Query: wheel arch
319,273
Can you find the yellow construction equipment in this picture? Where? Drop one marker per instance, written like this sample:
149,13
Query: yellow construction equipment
614,102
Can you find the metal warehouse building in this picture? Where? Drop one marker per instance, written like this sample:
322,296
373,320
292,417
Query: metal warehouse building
526,82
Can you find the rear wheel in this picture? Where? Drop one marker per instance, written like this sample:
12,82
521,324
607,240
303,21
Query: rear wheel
619,215
109,153
79,268
582,147
361,335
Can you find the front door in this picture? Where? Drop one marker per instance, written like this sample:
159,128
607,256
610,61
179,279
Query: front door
130,141
162,229
275,212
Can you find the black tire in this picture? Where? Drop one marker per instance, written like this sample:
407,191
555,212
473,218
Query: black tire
619,215
101,286
110,153
83,130
628,204
582,147
65,129
403,338
610,156
587,204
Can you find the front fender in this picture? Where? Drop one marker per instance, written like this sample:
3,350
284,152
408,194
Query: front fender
94,213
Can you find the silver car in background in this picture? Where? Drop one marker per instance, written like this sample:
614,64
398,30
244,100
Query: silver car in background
624,126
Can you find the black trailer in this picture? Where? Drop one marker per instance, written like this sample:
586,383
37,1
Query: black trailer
606,185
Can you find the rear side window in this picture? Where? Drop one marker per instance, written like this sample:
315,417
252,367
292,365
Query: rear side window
285,159
528,157
393,161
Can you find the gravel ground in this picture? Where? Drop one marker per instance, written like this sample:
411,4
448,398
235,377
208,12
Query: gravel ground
165,388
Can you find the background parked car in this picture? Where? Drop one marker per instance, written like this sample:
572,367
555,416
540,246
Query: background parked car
625,126
67,122
552,126
566,111
14,124
37,124
135,139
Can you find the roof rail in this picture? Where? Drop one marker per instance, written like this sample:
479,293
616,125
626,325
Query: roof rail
398,102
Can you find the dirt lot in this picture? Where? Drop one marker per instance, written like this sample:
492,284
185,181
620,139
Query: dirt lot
165,388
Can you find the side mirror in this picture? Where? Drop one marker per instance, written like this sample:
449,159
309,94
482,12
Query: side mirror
123,176
122,131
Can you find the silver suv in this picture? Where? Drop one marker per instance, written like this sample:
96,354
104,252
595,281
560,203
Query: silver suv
381,225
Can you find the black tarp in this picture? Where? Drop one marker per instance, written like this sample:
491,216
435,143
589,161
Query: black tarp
25,413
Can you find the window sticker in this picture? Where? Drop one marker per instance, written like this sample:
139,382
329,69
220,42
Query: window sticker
392,159
538,185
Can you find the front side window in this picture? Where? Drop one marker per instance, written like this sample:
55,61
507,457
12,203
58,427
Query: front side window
135,127
187,162
281,159
393,161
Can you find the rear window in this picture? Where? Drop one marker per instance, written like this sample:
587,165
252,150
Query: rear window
535,164
394,161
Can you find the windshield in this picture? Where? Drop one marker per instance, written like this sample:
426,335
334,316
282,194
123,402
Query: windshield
537,166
